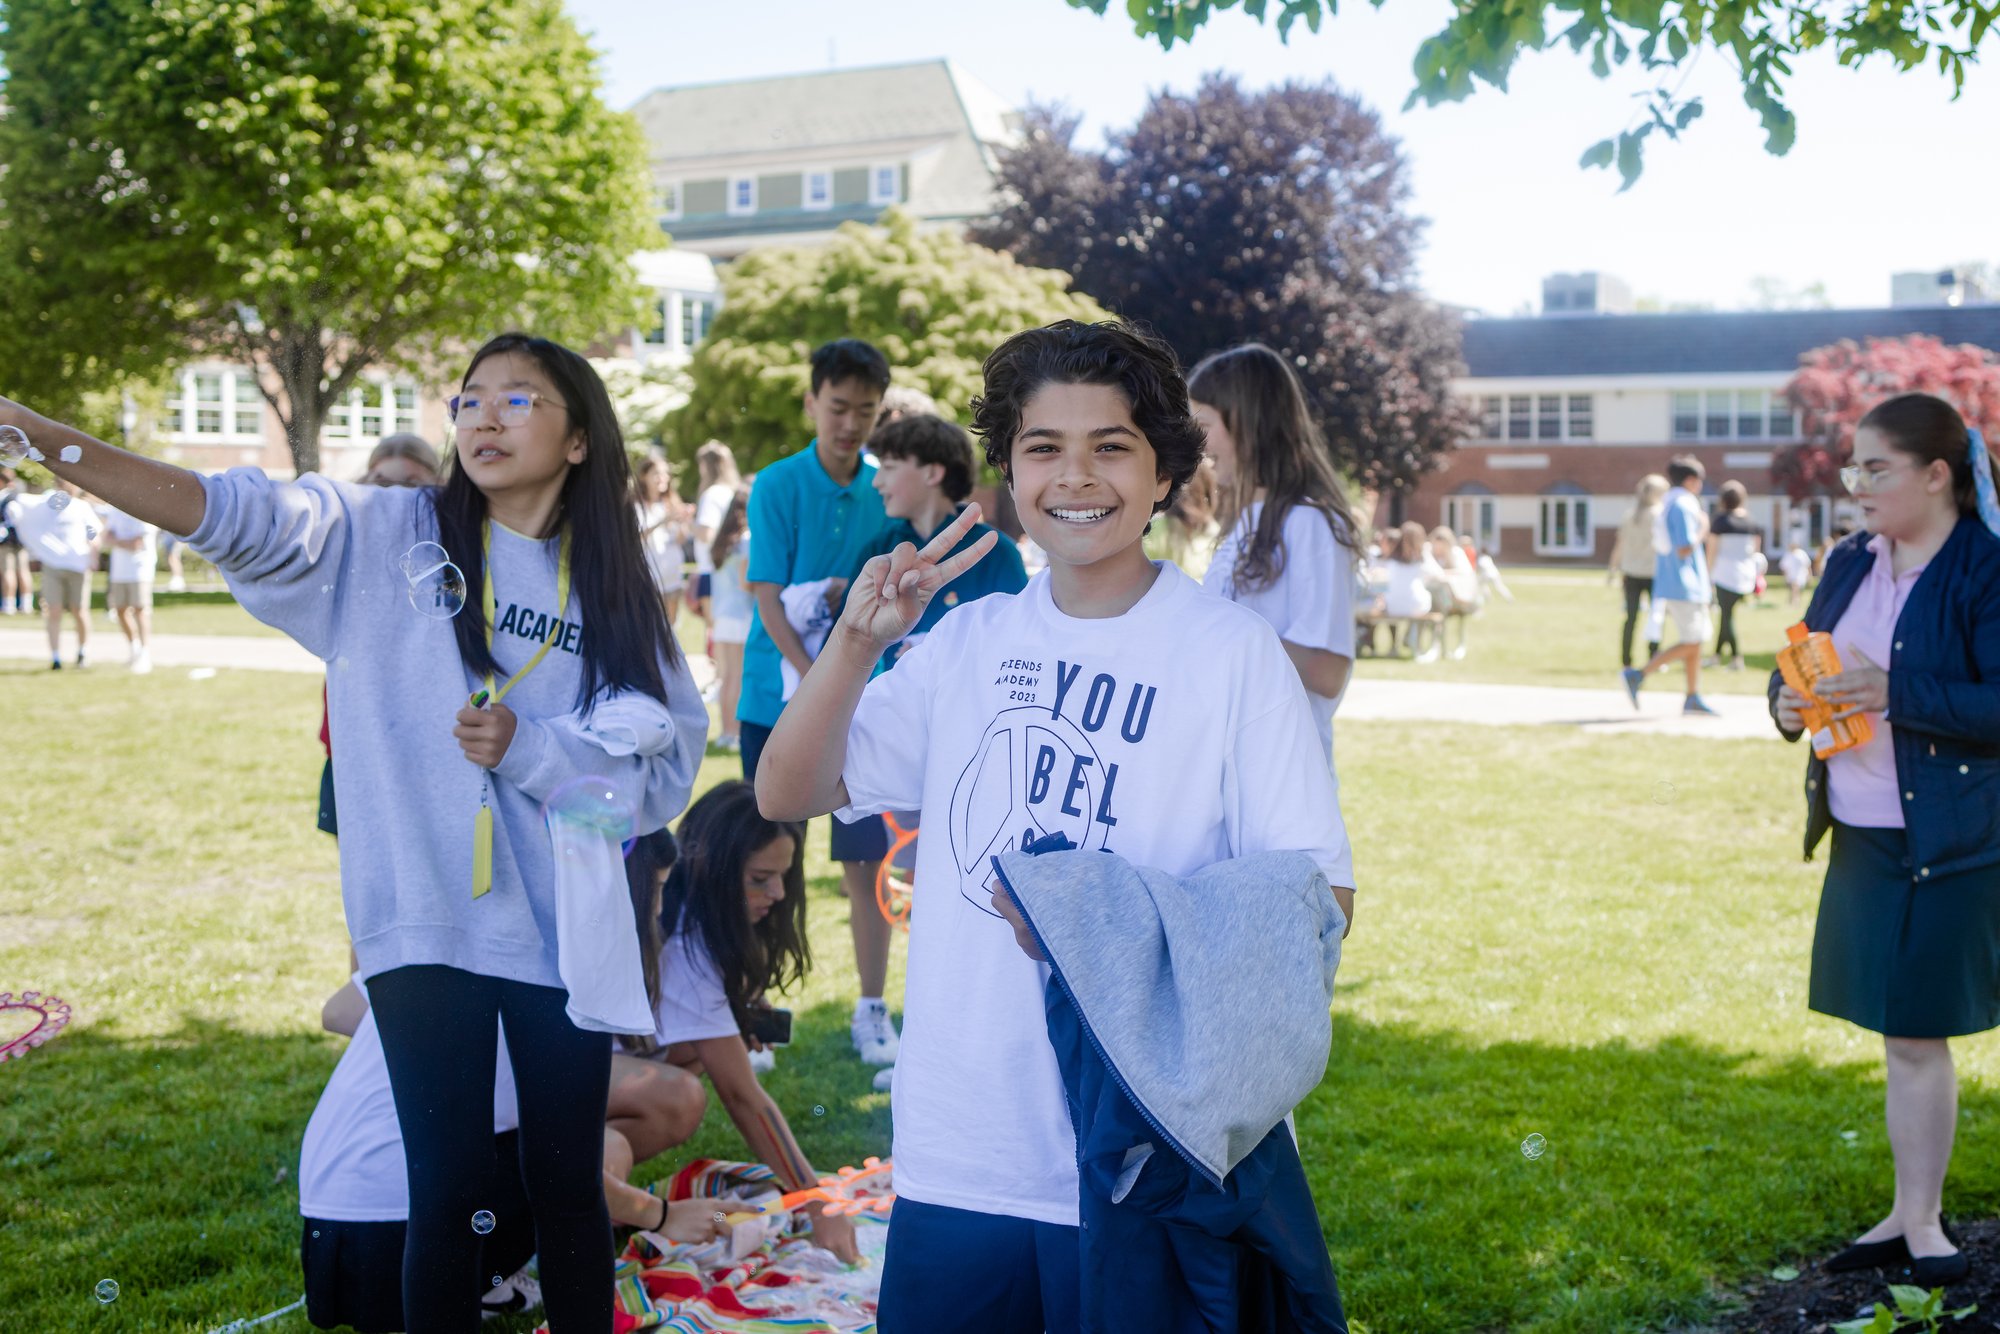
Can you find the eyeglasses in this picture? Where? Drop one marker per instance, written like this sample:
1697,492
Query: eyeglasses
1859,480
512,409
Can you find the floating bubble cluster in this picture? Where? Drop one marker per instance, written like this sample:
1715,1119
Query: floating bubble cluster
14,447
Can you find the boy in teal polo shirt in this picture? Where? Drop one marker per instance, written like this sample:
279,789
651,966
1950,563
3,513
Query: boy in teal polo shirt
816,516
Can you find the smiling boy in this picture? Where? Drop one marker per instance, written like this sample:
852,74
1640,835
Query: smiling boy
1110,701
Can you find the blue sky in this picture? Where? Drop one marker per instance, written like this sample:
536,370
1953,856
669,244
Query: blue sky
1888,174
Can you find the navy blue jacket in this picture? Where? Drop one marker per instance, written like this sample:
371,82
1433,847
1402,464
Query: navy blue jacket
1944,699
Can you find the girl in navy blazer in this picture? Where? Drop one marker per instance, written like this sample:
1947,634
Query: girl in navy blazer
1908,939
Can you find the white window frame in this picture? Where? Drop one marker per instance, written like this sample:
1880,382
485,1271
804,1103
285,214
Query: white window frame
1490,411
669,200
894,195
1570,431
1780,419
236,391
365,399
245,397
736,186
824,181
1581,538
1477,516
694,316
1674,405
1526,416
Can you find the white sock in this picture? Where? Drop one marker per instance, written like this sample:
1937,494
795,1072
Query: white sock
868,1004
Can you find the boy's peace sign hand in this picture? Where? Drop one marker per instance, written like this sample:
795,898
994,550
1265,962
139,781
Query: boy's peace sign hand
892,591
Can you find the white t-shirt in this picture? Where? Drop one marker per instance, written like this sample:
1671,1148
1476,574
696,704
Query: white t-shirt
351,1167
1310,603
709,509
692,1006
131,567
61,539
1177,735
1409,593
663,547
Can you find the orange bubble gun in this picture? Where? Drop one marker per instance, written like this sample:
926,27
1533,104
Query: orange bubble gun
1808,658
852,1190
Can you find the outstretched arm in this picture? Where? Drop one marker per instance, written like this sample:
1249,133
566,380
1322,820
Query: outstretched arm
148,489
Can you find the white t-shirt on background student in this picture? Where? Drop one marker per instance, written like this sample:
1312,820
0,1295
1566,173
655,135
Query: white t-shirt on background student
1310,603
710,507
131,567
662,545
351,1167
693,1006
1176,735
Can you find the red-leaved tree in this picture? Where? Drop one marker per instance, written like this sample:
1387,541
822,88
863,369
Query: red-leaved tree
1836,386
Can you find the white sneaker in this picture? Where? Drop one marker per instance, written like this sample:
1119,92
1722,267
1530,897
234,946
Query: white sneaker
522,1292
884,1078
875,1038
177,584
142,662
763,1062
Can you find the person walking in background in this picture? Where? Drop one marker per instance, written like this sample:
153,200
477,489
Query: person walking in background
1908,939
1733,543
717,481
62,533
129,594
1797,567
1633,554
1681,588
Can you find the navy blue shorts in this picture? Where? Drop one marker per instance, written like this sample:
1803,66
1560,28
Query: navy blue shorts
952,1271
752,736
866,840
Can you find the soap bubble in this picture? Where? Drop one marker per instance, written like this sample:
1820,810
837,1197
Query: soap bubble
496,1280
482,1222
1533,1147
107,1290
593,802
720,1218
819,1111
58,501
437,587
439,593
71,454
13,447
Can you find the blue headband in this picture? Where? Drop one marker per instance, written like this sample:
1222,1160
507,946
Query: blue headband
1982,482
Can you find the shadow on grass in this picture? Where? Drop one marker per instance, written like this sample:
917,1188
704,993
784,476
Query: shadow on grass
169,1165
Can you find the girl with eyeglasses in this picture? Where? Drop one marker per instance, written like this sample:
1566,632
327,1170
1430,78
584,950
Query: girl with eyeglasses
451,736
1908,939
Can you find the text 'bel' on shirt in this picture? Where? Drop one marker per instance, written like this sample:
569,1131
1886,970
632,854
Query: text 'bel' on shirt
318,559
1176,734
808,527
1310,603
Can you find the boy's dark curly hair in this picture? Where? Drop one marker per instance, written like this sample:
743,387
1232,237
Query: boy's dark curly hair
1130,359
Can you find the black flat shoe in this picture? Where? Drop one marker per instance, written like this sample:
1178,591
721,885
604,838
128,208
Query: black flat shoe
1938,1271
1868,1255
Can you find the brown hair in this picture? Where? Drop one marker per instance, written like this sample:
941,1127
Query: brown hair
727,533
1929,430
1733,497
715,464
924,438
1280,451
1410,540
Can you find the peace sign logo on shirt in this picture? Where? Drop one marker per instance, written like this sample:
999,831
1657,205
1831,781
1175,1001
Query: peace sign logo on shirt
1032,775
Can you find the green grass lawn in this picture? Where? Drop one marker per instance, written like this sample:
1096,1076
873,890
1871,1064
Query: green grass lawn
1562,630
1600,940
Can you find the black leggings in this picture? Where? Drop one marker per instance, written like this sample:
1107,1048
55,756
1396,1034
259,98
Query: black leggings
1727,635
438,1036
1635,589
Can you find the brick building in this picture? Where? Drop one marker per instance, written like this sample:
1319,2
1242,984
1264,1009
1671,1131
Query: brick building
1575,405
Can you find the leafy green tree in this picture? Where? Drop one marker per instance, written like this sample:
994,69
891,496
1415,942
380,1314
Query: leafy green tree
932,301
1760,38
309,187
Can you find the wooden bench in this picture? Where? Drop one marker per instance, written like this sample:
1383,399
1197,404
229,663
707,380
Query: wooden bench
1423,634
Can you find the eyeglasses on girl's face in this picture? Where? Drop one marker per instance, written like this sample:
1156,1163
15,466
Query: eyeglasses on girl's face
512,408
1860,479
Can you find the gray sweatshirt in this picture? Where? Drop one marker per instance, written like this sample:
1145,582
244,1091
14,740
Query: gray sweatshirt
318,559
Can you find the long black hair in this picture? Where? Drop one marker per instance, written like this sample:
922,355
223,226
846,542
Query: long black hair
625,635
1279,450
704,897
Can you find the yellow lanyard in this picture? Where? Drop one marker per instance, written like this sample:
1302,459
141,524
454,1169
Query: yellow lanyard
482,823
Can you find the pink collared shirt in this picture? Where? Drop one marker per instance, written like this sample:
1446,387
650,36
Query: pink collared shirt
1861,783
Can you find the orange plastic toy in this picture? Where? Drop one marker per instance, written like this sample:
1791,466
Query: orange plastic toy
1807,659
852,1190
892,895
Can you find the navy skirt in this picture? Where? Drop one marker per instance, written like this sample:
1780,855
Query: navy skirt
1908,960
